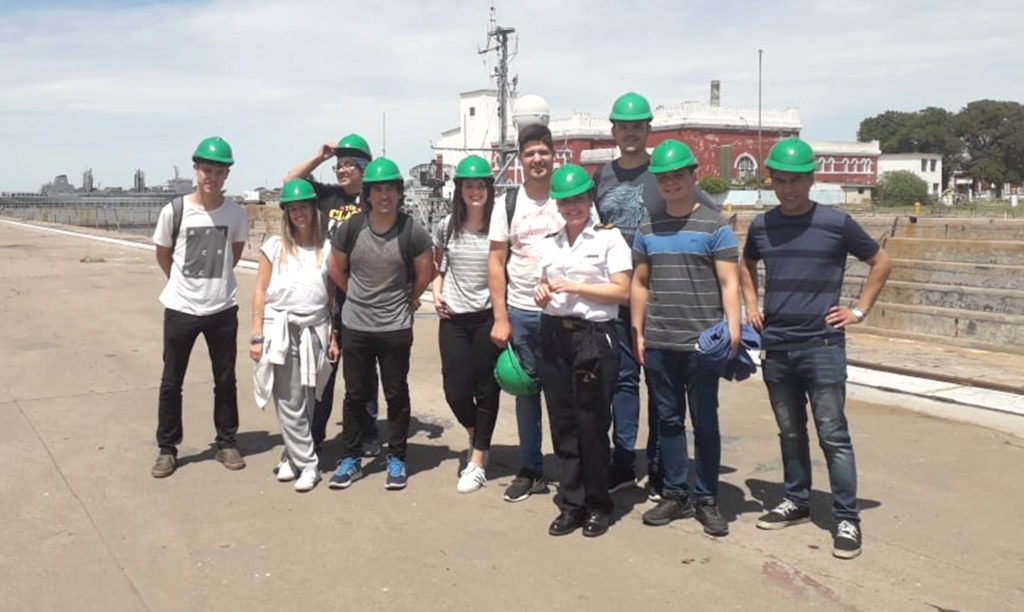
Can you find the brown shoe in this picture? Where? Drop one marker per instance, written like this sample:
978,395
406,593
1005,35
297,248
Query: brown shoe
164,466
231,458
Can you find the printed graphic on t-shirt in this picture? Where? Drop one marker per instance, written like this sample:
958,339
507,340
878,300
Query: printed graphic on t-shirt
204,251
530,228
623,206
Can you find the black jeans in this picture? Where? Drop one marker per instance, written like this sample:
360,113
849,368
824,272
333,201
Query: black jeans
467,368
325,405
361,352
180,332
578,372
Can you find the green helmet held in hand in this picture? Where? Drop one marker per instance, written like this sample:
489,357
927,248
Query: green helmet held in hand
214,149
353,145
671,155
631,107
791,155
381,170
570,180
511,376
474,167
297,190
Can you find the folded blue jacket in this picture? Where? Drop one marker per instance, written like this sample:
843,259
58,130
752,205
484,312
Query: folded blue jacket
713,351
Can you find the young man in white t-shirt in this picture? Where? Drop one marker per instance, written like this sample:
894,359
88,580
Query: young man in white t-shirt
515,246
198,258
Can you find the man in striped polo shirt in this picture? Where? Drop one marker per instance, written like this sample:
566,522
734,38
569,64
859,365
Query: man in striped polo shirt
804,247
686,276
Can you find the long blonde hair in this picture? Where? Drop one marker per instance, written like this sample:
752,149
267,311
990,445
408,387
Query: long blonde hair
287,233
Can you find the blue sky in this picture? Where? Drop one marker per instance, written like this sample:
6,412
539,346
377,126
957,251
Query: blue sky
126,84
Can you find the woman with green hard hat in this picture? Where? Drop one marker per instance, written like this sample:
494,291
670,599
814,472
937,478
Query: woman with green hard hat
584,277
291,340
463,302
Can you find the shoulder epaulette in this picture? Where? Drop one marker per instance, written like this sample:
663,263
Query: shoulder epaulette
552,234
605,226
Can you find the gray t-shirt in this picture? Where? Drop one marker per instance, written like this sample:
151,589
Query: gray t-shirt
464,268
379,284
685,298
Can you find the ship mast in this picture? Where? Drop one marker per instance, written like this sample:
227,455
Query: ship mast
497,42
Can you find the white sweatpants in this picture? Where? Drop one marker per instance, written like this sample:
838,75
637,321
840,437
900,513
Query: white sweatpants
295,403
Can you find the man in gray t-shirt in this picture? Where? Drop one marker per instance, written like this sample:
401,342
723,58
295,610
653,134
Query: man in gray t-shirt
382,260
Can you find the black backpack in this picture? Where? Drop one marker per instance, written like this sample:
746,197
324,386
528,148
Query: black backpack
354,225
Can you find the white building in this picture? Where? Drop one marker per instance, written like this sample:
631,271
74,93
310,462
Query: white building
927,166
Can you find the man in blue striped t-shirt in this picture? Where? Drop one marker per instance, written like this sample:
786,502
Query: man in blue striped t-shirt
685,275
804,247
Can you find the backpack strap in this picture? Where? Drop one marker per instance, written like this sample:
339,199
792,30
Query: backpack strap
177,212
405,227
511,195
353,226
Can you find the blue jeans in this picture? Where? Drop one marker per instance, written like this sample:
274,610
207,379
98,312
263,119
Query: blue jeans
675,380
818,374
526,340
626,407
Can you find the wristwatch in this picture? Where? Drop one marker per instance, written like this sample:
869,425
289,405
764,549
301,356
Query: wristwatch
255,339
860,314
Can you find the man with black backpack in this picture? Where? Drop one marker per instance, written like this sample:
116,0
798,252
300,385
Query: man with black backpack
382,260
199,238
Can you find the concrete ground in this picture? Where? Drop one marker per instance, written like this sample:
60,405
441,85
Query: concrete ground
88,528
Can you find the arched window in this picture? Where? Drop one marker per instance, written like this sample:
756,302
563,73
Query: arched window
746,167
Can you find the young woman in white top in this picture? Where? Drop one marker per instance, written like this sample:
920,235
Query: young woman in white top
584,276
291,341
463,302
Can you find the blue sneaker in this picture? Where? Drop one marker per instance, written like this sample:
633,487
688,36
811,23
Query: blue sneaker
348,472
396,473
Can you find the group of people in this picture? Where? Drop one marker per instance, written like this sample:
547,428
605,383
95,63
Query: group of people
564,287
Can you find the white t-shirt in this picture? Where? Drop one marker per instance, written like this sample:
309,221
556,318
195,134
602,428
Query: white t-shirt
592,259
297,284
202,280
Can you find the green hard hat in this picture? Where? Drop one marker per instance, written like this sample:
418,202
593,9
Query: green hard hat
353,145
297,190
570,180
381,170
511,376
214,149
791,155
474,167
631,107
671,155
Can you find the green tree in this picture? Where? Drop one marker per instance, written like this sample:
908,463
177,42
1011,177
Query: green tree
901,188
929,130
993,134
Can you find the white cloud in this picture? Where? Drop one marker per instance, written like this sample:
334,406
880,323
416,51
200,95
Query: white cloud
119,88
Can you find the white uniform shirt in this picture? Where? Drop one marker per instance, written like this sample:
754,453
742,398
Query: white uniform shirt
592,259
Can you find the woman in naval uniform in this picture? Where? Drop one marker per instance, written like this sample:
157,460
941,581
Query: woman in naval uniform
584,276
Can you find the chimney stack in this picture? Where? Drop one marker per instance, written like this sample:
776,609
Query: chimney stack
716,92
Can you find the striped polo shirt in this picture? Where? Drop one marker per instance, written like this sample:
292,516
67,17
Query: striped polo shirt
684,297
804,263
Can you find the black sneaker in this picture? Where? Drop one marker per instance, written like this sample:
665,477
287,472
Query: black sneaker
617,481
707,514
667,511
846,541
525,484
784,515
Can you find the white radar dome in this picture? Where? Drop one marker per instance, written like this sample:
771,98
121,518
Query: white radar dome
530,109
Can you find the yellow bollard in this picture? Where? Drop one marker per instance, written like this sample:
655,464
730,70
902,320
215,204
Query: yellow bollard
917,208
728,207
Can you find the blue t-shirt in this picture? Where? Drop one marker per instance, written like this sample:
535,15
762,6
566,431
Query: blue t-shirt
804,262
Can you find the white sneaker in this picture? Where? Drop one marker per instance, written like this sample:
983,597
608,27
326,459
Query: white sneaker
471,479
285,471
308,479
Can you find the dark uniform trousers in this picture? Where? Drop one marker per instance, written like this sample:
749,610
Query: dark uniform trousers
578,369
